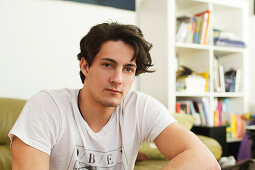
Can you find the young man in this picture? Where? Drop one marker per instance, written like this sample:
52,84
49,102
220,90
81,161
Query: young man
102,126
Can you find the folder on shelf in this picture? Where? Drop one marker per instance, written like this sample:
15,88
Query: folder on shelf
217,87
238,80
206,107
222,79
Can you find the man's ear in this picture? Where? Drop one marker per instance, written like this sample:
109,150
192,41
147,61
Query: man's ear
84,66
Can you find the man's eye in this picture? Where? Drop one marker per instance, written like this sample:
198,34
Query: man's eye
129,69
107,65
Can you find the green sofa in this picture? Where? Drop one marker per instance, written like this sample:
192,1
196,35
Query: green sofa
156,160
11,108
9,112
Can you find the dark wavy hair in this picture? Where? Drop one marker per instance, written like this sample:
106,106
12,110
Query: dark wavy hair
130,34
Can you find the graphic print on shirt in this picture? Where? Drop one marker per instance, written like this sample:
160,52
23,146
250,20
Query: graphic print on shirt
85,159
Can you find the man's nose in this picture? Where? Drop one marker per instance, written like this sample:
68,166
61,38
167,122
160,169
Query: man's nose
117,76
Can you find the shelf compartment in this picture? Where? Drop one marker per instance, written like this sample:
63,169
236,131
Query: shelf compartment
228,19
190,7
190,55
228,4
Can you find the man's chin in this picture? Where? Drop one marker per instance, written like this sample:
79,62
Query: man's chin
113,103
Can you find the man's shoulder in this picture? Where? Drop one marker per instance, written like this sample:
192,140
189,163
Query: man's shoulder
56,95
135,95
58,92
138,97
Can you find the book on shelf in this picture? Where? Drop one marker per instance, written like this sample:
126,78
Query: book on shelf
182,28
193,29
238,80
222,79
197,30
237,126
228,81
232,80
202,114
216,78
206,107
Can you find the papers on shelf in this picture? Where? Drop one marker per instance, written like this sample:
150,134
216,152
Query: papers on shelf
195,84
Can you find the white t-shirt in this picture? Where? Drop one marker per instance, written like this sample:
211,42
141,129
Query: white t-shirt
52,123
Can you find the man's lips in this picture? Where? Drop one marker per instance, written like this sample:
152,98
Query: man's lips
113,90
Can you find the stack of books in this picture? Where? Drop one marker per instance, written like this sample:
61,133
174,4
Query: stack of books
194,29
223,117
226,39
198,108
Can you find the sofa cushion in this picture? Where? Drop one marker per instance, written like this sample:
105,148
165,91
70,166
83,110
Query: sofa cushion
9,112
151,152
213,145
150,164
185,120
5,157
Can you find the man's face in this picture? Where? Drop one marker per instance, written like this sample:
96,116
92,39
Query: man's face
111,74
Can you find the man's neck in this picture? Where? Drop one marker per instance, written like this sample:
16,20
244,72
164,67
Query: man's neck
94,113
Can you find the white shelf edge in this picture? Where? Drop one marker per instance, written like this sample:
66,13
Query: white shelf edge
208,94
191,45
229,94
228,49
230,140
188,94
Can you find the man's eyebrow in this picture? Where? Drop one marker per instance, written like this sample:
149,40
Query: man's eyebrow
110,60
115,62
131,65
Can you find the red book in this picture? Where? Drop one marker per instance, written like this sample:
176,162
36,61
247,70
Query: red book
178,107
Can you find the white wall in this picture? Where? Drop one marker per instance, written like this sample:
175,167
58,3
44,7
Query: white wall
39,42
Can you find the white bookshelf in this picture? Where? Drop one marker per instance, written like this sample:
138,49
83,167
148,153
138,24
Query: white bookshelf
157,19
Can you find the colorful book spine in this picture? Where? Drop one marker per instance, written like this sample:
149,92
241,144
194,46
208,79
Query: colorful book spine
204,26
219,112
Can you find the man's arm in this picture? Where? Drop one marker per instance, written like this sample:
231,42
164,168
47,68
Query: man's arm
184,150
25,157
